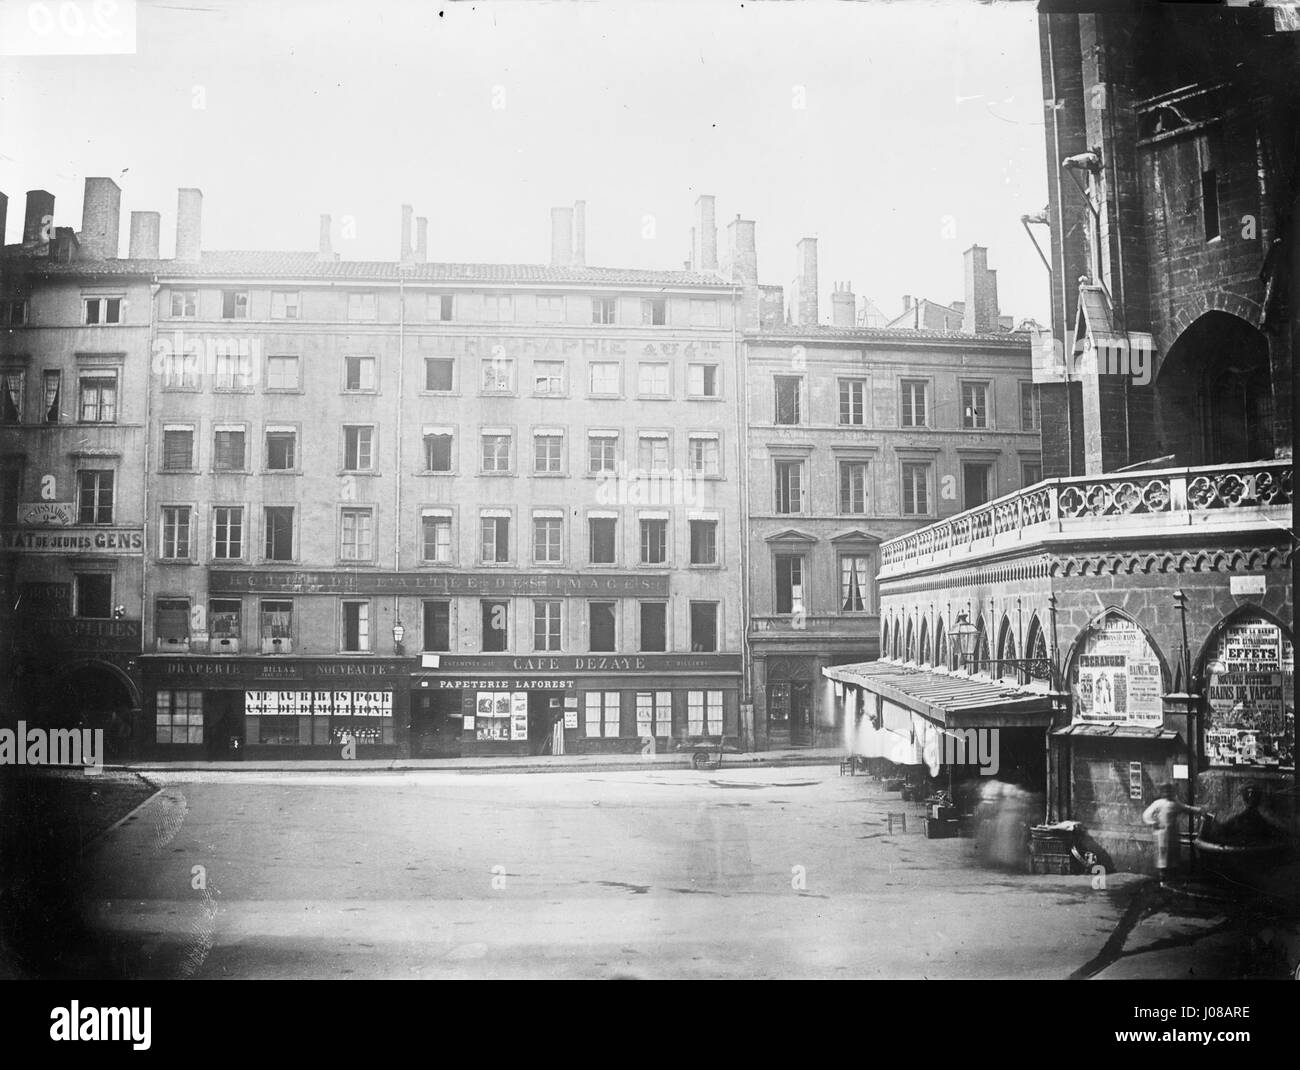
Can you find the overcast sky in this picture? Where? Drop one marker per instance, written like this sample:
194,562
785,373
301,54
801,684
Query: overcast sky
862,124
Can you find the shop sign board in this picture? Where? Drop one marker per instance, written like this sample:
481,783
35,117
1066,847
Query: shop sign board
48,514
74,540
226,581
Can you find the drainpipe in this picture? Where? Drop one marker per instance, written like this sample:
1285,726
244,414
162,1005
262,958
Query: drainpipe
397,447
742,475
154,289
1060,230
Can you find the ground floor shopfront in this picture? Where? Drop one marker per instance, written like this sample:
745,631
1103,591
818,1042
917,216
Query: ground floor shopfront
793,703
945,731
223,707
571,704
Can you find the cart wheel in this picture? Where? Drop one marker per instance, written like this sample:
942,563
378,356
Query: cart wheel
700,760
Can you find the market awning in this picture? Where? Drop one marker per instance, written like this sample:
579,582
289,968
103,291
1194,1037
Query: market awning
1116,731
950,700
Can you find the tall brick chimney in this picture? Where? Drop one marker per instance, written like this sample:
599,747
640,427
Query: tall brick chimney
580,233
421,238
804,292
742,268
325,241
101,210
704,238
980,311
408,252
189,222
40,214
844,305
561,237
146,229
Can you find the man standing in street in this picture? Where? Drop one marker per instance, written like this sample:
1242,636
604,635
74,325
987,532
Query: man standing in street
1163,815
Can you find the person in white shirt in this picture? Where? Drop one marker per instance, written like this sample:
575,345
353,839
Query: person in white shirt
1163,815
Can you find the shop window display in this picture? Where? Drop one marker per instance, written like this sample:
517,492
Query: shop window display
318,718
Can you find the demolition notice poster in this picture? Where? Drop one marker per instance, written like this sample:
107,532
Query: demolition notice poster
1249,691
1116,677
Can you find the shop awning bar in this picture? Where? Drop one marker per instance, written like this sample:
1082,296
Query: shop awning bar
1117,731
950,701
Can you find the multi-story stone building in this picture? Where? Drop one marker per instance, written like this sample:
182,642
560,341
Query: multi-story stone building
1129,621
426,508
857,435
74,349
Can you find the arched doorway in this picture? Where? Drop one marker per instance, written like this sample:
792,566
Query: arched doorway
96,695
1215,393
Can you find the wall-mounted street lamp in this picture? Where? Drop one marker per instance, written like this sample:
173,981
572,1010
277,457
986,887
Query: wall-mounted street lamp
966,634
967,640
399,633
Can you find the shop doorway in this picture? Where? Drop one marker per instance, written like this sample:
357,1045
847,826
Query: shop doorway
789,714
91,695
223,724
545,710
435,724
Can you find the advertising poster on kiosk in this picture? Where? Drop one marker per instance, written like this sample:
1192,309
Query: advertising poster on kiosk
1116,676
1250,677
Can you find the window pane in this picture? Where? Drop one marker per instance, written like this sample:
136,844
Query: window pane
602,625
704,542
228,450
438,373
437,453
787,399
602,540
704,626
654,626
437,625
496,619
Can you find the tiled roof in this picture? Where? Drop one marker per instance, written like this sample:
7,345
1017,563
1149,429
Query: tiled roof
306,265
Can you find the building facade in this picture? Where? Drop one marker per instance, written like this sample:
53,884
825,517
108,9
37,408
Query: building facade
413,508
75,353
1128,622
856,436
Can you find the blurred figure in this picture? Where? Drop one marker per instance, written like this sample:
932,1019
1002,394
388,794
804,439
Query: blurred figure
1163,816
1249,826
1005,814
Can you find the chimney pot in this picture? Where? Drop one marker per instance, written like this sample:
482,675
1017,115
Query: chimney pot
580,233
704,237
38,224
325,239
422,238
189,222
844,306
561,237
805,283
742,268
980,312
407,250
146,228
101,210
